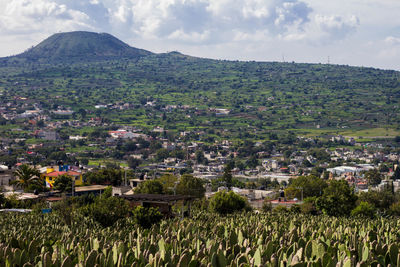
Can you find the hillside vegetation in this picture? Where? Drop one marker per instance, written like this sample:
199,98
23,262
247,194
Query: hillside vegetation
259,95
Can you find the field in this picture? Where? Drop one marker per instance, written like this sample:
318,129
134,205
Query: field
244,239
310,99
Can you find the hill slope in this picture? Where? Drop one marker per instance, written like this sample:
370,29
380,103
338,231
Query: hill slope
260,96
81,45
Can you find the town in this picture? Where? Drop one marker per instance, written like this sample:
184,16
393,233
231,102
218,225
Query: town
81,144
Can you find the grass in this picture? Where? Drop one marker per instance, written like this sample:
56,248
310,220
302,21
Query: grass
358,134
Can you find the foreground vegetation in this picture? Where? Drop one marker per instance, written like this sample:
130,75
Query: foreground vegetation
242,239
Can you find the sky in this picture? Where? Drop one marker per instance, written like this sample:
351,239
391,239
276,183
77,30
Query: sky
350,32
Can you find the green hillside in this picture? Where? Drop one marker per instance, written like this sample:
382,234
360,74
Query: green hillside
260,96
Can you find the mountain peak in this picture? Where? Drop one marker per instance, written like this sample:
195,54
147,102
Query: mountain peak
81,46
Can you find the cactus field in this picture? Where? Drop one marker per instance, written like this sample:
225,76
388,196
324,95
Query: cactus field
243,239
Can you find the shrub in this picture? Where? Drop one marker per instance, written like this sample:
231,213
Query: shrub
280,209
107,211
267,206
395,209
364,209
309,206
146,217
150,187
295,208
227,202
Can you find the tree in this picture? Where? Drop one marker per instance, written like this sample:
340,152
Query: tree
252,162
338,199
227,202
227,177
190,185
162,154
374,177
310,185
168,182
107,210
150,187
108,176
364,209
396,174
381,199
133,163
200,157
146,217
63,183
27,177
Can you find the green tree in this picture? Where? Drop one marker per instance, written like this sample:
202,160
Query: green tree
63,183
227,202
150,187
133,163
108,176
27,177
162,154
338,199
227,177
190,185
168,182
146,217
107,210
252,162
380,199
311,186
364,209
374,177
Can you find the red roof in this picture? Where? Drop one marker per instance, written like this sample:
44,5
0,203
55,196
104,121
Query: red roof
58,173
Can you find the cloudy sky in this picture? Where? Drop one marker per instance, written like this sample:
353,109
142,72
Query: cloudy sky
352,32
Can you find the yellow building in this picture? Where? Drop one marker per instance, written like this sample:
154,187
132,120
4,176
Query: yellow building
51,176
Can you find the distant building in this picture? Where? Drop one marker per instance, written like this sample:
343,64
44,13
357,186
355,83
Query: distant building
51,175
49,135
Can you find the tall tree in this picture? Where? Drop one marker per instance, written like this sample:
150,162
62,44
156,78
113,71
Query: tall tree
27,176
63,183
374,177
227,177
310,186
338,199
190,185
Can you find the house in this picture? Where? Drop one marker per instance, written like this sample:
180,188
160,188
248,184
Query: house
50,175
50,135
5,176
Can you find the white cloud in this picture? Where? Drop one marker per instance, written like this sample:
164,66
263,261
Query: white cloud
337,27
39,16
391,40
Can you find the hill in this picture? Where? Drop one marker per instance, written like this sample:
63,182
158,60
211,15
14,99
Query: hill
260,96
81,46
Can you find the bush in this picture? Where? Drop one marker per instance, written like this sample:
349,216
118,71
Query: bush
107,211
225,203
395,209
309,206
267,206
146,217
150,187
280,209
364,209
295,208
